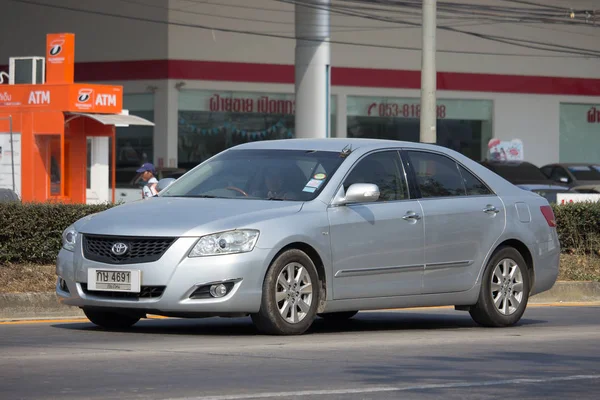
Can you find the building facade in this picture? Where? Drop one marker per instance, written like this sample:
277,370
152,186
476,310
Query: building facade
208,89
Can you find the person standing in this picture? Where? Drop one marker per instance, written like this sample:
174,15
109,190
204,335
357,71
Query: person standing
149,176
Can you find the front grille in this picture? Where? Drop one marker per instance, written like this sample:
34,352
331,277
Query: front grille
146,292
139,250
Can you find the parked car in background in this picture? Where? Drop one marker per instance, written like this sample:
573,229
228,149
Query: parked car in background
287,230
582,176
527,176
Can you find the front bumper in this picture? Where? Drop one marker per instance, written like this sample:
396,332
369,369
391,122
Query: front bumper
179,275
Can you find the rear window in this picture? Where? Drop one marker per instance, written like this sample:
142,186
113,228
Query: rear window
585,173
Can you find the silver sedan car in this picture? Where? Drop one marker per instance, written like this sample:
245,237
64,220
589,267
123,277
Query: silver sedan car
287,230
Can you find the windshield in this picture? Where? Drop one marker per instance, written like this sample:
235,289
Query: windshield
584,173
294,175
521,172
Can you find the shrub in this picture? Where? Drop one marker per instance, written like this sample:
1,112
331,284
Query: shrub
31,232
578,226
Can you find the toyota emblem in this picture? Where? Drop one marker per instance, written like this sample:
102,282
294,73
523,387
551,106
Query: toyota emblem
119,248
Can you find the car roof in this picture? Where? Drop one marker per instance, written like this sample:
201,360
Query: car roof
333,144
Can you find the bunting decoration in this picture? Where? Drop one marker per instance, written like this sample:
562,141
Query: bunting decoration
254,135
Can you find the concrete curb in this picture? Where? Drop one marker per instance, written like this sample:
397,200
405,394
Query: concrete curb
18,306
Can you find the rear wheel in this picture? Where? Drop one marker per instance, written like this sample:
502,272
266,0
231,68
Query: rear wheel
338,316
504,290
290,295
110,320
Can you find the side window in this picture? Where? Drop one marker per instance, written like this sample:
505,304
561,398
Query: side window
437,176
473,185
384,169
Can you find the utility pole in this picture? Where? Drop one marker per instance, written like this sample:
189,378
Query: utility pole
312,69
428,132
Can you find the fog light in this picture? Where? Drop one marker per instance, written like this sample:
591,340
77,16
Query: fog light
63,285
218,290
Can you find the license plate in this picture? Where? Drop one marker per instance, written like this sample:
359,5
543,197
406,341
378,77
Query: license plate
114,280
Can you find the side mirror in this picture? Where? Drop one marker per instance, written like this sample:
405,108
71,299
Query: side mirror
360,193
164,183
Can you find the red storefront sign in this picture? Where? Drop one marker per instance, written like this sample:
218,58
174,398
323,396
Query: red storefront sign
404,110
261,105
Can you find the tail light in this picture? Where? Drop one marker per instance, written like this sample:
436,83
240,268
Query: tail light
549,215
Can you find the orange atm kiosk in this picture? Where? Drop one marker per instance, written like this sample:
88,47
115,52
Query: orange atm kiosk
54,120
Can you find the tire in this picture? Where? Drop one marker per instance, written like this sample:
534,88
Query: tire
110,320
338,316
486,312
286,317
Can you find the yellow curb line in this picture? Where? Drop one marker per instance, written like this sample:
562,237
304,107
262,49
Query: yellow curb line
534,305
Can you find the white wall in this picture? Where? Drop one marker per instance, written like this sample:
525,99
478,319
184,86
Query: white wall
271,17
23,29
107,38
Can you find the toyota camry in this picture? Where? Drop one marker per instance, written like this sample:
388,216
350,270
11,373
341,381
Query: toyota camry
286,231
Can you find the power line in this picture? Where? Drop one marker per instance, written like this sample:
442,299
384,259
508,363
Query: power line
211,28
536,45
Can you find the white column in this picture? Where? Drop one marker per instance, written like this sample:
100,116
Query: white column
428,74
312,70
166,106
341,116
99,191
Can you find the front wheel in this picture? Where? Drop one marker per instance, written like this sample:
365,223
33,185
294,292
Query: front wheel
290,295
504,290
110,320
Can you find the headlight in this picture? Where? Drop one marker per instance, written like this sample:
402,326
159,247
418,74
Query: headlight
69,237
231,242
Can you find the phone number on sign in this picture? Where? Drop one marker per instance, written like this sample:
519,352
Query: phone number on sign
401,110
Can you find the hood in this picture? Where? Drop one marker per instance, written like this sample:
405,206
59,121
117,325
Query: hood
177,217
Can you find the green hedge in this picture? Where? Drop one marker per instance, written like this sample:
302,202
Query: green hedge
578,226
32,232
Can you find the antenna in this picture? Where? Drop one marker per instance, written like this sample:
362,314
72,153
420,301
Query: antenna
346,151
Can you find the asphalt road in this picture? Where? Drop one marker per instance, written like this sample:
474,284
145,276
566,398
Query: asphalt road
410,354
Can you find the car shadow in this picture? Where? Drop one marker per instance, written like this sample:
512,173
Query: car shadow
362,322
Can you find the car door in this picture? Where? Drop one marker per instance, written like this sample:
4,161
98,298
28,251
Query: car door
377,248
463,219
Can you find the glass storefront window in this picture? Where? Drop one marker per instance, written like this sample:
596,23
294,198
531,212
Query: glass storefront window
579,133
462,125
212,121
135,143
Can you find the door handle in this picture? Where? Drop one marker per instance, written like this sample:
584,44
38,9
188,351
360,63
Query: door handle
491,209
411,216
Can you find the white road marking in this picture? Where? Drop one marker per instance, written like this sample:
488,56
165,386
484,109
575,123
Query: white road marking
391,388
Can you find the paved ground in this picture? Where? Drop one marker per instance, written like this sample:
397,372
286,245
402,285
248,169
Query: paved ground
424,354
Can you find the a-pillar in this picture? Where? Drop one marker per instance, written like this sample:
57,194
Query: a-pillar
166,106
312,70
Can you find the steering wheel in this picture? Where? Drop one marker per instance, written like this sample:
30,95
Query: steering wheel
237,189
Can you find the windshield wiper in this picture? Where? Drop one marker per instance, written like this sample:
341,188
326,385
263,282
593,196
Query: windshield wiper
275,198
